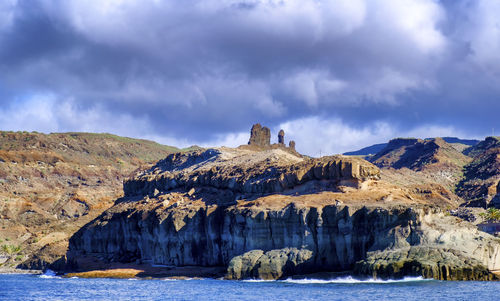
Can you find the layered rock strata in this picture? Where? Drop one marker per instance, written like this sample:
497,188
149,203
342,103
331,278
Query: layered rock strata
274,240
241,172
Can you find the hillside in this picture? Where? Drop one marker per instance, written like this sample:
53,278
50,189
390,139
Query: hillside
51,185
461,144
481,175
466,174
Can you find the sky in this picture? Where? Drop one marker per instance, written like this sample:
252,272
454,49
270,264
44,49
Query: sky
335,75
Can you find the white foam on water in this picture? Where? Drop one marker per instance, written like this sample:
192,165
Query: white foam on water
182,279
351,280
257,280
49,274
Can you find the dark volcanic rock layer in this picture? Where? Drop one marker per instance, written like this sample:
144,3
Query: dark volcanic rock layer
277,242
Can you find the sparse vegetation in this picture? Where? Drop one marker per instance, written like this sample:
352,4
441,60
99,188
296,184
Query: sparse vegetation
492,214
11,249
40,172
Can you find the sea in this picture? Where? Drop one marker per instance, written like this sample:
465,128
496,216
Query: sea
50,287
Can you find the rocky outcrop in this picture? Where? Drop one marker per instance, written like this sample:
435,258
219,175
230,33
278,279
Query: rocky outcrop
260,136
281,137
428,262
274,264
226,169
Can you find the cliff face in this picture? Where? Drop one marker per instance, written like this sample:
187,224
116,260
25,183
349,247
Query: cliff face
270,239
271,214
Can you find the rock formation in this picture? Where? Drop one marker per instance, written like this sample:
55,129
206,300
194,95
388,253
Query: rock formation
271,171
281,137
270,213
260,136
272,239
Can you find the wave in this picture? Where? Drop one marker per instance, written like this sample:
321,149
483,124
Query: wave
351,280
258,280
182,279
49,274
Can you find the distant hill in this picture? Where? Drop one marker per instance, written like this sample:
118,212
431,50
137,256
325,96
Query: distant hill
468,168
369,150
373,149
417,154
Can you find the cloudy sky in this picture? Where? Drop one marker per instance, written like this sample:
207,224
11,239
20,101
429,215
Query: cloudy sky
336,75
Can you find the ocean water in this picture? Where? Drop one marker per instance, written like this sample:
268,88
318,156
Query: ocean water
49,287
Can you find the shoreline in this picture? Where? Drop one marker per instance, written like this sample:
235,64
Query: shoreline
19,271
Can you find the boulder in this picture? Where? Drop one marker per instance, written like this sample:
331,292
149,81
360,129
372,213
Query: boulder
271,265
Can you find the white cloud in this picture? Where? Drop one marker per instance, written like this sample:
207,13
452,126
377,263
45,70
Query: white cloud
482,30
186,72
416,20
7,10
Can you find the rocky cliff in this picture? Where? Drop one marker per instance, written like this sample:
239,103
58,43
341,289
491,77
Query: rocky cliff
244,172
278,236
271,213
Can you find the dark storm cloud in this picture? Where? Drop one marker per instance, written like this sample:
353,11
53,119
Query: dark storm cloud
196,71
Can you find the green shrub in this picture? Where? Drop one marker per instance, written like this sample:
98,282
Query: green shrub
492,214
11,249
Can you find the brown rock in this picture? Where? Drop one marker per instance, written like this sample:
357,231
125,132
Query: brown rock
281,137
260,136
291,144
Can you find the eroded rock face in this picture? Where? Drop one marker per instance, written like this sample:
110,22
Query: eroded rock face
275,172
274,243
428,262
260,136
274,264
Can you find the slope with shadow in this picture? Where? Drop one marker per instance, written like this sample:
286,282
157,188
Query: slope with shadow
481,176
51,185
430,166
376,148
